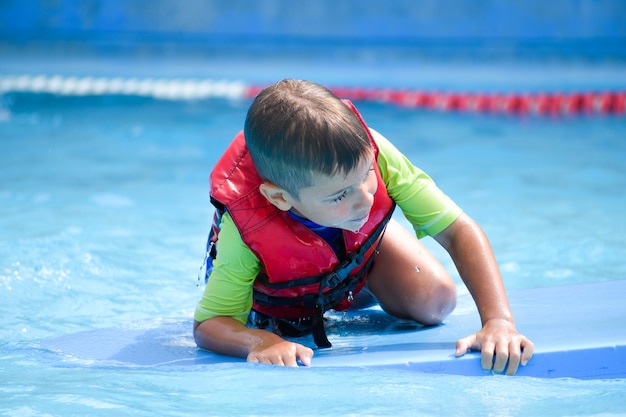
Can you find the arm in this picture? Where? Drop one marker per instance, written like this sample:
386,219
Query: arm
432,213
222,312
228,336
472,254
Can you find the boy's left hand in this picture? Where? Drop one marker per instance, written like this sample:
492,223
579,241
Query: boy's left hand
498,338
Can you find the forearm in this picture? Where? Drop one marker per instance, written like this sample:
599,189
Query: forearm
501,345
227,336
473,256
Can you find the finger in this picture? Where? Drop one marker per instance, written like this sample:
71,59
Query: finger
289,360
461,348
487,356
266,360
304,354
502,356
528,348
465,344
514,358
253,358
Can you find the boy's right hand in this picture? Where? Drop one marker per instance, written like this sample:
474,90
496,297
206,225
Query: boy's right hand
228,336
280,352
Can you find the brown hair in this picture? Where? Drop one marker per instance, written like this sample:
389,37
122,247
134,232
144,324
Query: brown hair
294,128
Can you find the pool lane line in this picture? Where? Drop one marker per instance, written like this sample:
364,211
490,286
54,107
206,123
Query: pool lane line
538,103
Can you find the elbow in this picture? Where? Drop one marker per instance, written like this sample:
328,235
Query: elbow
442,303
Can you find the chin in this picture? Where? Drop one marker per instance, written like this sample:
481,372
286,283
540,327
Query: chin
356,229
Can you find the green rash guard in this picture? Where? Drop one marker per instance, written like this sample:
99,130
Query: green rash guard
228,292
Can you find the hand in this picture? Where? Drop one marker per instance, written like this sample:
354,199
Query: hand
498,337
282,353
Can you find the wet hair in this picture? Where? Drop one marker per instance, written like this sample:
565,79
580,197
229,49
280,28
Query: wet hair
295,128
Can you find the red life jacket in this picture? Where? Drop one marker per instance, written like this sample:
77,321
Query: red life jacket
301,274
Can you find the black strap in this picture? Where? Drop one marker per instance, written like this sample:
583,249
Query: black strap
342,271
319,332
333,288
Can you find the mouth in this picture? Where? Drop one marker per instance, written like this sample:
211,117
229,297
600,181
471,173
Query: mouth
361,220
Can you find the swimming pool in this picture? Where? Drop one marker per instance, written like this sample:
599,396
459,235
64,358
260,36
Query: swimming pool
104,212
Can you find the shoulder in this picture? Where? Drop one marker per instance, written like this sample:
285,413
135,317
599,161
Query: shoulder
231,247
391,162
386,150
378,137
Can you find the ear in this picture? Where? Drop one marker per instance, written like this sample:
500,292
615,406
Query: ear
276,195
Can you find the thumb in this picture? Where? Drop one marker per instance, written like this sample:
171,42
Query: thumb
465,344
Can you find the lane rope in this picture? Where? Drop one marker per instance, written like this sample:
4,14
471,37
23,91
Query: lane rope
546,103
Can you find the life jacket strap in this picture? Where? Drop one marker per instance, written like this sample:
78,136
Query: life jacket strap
318,330
293,328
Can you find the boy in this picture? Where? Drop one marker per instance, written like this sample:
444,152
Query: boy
303,198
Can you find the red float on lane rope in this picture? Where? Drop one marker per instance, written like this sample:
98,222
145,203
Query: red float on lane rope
549,104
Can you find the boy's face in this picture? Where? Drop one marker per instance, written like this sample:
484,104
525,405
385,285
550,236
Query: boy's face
338,201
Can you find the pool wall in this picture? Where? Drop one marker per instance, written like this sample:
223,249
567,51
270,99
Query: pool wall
433,29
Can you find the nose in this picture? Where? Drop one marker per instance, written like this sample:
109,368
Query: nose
365,197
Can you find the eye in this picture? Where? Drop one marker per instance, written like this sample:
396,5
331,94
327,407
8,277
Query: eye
341,197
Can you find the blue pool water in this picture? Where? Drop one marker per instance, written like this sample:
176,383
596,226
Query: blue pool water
104,213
